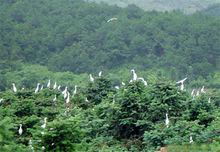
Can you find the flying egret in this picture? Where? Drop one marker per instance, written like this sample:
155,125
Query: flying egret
20,131
91,78
55,85
100,73
190,139
14,87
37,88
142,79
182,83
167,120
45,123
48,84
74,92
134,75
112,19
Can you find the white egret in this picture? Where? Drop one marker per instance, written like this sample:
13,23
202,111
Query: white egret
65,93
43,148
190,139
68,98
182,83
20,131
55,98
112,19
142,79
100,73
134,75
37,88
48,84
209,101
91,78
192,93
58,88
202,89
1,100
167,120
45,123
14,87
122,83
75,90
117,87
197,92
86,100
42,87
55,85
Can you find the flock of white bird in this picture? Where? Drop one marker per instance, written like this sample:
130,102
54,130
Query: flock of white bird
66,95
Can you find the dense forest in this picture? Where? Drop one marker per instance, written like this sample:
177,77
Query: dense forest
53,98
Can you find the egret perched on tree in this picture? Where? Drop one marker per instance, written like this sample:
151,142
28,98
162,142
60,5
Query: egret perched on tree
58,88
112,19
190,139
182,83
86,100
203,89
1,100
42,87
68,98
197,92
14,87
55,98
122,83
74,92
142,79
192,93
48,84
55,85
167,120
209,101
91,78
45,123
37,88
20,131
100,73
65,92
134,75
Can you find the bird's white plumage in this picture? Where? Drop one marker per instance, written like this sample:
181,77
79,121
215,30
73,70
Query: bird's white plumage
134,78
75,90
37,88
55,85
142,79
48,83
91,78
112,19
45,123
181,82
100,73
167,120
14,87
20,131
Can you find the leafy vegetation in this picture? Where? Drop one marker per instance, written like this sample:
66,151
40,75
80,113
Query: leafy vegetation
63,41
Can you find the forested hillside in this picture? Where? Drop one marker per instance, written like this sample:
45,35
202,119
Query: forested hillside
72,35
186,6
81,76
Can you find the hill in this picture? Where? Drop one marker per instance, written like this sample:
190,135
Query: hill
186,6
